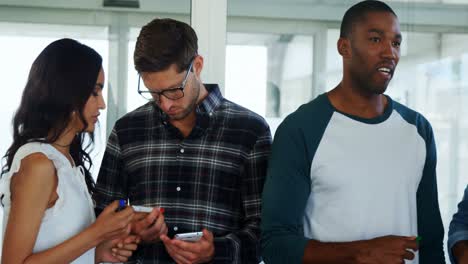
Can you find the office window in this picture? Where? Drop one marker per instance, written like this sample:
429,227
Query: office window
250,90
432,1
134,100
270,74
20,44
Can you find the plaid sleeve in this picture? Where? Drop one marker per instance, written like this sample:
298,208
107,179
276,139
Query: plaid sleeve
458,230
243,246
112,179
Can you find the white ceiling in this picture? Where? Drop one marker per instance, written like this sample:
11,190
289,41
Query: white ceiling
445,13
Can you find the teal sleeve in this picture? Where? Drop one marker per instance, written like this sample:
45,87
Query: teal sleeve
430,226
285,194
288,183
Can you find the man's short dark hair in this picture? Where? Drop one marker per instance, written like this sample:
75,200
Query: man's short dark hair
358,12
163,42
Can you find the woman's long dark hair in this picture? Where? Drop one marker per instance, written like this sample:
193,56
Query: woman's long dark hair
60,81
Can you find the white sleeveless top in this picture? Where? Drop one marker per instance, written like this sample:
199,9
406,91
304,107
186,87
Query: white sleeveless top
73,210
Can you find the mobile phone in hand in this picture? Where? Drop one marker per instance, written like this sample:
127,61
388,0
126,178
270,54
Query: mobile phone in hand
190,237
142,209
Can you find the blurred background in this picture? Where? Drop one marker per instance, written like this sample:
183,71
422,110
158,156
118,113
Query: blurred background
268,55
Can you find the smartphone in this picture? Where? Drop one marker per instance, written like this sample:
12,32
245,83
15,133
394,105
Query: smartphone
191,237
142,209
141,212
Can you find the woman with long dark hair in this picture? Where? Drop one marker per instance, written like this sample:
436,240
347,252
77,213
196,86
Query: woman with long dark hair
46,182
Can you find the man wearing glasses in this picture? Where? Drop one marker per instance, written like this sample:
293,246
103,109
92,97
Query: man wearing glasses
190,151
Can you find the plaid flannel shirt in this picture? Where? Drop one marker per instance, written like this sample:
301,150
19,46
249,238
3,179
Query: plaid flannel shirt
211,179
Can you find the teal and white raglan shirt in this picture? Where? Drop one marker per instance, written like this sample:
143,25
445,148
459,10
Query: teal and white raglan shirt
333,177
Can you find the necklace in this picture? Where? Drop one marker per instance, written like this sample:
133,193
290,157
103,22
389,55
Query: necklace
67,154
62,146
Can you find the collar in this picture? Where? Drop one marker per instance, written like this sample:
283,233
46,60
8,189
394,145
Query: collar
212,101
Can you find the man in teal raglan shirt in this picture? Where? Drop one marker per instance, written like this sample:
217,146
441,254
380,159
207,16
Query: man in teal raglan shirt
352,176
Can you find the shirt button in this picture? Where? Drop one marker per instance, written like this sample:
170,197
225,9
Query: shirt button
176,228
210,114
182,150
178,188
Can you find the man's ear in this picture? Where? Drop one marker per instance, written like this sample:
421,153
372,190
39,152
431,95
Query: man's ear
344,48
197,65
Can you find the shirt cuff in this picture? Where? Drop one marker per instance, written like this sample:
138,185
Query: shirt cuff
226,250
453,239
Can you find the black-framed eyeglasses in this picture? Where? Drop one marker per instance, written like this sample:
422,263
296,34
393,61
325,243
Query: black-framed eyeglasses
171,94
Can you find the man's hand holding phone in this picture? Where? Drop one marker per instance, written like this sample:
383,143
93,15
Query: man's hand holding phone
200,251
149,226
190,237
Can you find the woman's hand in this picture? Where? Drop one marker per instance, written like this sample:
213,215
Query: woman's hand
117,250
149,227
111,224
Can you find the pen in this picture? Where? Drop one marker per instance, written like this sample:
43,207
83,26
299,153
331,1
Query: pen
122,205
418,239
